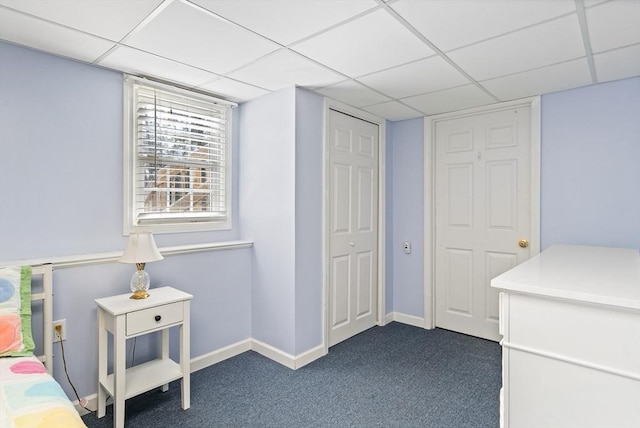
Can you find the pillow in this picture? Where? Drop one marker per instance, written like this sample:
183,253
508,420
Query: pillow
15,312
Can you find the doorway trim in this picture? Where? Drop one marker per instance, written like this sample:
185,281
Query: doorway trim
331,104
430,186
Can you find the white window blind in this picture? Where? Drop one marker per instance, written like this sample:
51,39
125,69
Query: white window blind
180,157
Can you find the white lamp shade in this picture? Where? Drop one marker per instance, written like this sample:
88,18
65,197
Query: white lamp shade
141,248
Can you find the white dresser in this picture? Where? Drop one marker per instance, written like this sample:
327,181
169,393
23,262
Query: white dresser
570,318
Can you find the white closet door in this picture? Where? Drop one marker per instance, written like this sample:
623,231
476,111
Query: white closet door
353,190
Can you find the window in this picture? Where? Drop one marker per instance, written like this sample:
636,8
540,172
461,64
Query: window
176,159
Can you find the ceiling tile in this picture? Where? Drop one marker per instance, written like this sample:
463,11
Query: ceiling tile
371,43
554,78
38,34
353,93
232,90
448,100
393,111
359,52
192,36
137,62
112,19
286,21
286,68
452,24
626,31
618,64
428,75
545,44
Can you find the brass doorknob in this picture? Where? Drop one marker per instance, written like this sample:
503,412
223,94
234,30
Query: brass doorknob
523,243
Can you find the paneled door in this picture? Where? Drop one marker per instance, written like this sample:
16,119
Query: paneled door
353,226
482,214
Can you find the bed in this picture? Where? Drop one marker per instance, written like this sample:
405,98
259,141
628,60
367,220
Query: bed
29,395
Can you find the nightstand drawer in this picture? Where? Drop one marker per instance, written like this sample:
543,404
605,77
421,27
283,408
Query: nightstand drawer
153,318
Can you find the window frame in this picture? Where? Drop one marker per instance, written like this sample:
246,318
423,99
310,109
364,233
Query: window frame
130,221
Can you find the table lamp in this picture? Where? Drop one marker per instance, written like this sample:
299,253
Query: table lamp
141,248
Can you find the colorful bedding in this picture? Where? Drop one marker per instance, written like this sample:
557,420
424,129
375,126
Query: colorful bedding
15,312
30,398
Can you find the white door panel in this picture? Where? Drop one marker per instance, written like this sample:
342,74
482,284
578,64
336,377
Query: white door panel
365,284
459,276
341,272
353,160
341,197
482,209
496,264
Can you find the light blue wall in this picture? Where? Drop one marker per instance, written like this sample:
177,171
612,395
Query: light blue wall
590,183
220,310
281,211
61,192
308,229
408,215
389,219
590,179
43,187
267,212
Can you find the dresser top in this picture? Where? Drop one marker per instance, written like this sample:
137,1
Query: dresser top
601,275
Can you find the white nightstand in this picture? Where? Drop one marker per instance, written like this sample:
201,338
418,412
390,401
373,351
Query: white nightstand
126,318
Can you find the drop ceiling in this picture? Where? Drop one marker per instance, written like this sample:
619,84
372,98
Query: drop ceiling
397,59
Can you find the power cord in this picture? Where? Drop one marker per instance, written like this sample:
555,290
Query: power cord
58,330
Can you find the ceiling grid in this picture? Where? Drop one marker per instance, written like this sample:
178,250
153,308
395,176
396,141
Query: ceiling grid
398,59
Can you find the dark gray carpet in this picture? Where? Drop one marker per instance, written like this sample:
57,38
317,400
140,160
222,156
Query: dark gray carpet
392,376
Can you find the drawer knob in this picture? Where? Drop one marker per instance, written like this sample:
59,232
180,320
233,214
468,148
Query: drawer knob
158,317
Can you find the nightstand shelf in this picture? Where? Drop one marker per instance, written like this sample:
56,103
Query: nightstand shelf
127,318
144,377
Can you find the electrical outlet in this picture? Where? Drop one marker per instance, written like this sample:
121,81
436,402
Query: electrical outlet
60,325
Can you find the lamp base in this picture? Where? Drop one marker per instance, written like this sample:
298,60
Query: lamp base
139,294
140,283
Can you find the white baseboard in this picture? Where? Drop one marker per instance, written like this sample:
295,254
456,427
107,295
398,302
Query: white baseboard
292,361
409,319
197,363
309,356
206,360
388,318
92,404
221,354
274,354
